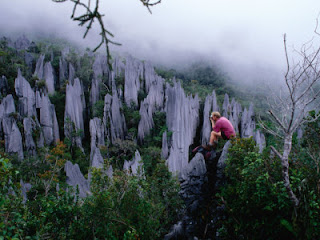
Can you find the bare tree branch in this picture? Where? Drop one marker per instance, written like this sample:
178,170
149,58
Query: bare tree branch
92,14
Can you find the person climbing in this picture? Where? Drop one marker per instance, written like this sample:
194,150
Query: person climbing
221,128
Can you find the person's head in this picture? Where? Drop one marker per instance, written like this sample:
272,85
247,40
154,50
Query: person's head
215,115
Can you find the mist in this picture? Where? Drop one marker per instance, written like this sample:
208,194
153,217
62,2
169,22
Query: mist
242,37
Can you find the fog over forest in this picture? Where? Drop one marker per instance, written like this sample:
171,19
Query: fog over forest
243,37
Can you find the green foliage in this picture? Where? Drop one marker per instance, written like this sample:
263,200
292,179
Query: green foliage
132,117
256,200
98,109
154,138
41,84
120,151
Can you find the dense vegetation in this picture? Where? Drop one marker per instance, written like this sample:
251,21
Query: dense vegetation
257,204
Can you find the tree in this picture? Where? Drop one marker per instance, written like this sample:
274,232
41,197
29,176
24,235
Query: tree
290,110
93,13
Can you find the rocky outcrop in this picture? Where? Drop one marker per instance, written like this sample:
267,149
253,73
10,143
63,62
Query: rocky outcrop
22,43
210,105
74,112
9,128
154,101
12,137
48,121
182,120
49,77
135,166
26,96
146,121
133,74
97,140
39,72
113,118
76,179
29,128
260,140
100,72
248,124
3,86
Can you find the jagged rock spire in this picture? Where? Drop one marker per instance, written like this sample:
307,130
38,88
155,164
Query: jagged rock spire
26,96
133,73
182,120
74,112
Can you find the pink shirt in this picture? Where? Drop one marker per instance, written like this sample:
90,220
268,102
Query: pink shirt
224,125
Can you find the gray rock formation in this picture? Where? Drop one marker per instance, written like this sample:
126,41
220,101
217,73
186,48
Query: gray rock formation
74,112
226,106
75,178
248,124
29,128
133,74
221,165
97,140
154,101
113,118
9,128
182,120
235,115
3,86
25,188
165,149
260,140
146,121
39,72
22,43
7,106
48,121
210,105
63,71
49,77
100,71
29,60
26,96
135,166
72,73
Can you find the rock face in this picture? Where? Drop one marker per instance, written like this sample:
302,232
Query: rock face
75,178
133,73
135,166
210,105
48,121
74,112
154,85
248,124
26,96
260,140
49,77
182,120
100,71
39,72
29,128
113,118
97,140
3,86
9,128
22,43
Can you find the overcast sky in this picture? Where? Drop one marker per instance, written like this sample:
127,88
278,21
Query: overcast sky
245,36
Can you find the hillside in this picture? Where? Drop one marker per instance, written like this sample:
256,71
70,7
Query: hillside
90,152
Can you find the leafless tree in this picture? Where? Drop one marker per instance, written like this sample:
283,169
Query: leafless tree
92,13
289,109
